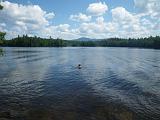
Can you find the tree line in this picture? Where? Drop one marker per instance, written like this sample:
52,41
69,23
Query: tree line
26,41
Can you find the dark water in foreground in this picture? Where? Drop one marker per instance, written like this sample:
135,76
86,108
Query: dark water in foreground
113,84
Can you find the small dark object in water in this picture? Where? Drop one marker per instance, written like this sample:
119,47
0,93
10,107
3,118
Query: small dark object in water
79,66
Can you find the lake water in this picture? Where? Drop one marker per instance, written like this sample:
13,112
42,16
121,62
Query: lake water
113,84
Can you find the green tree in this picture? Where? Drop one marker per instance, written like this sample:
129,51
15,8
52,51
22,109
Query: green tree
2,34
1,7
2,37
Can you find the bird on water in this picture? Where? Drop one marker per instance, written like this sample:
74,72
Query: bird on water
79,66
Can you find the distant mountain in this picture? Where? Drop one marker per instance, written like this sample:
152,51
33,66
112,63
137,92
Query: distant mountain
85,39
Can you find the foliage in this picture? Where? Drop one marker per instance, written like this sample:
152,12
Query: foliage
2,34
2,37
25,41
1,7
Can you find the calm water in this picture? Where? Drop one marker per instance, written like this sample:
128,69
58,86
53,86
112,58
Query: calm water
113,84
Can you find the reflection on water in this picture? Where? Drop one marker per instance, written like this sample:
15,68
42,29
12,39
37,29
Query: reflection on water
113,84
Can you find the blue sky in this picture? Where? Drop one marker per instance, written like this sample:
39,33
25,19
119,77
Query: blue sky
71,19
64,8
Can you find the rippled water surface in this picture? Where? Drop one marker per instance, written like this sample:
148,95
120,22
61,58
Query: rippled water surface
113,84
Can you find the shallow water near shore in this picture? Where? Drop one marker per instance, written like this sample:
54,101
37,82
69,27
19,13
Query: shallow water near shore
113,84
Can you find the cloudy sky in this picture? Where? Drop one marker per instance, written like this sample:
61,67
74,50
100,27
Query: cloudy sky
71,19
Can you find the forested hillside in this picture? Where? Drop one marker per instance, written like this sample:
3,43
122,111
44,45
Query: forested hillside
26,41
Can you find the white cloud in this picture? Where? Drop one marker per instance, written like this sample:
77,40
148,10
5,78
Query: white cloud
17,19
150,7
63,27
94,27
123,24
24,19
100,20
120,14
80,18
141,4
21,19
97,29
126,20
151,10
97,9
112,27
60,31
50,15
